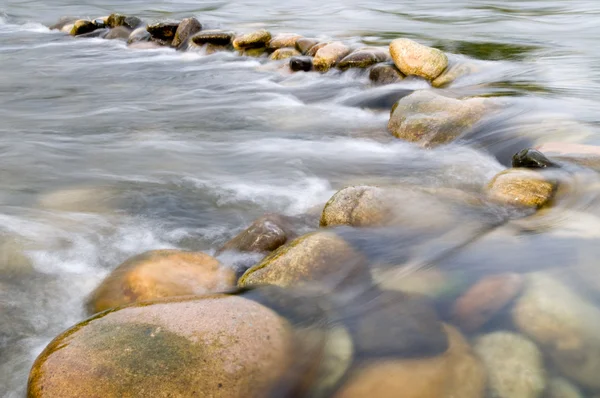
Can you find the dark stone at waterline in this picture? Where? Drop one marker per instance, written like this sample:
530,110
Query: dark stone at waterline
163,30
62,22
140,34
264,235
305,44
531,159
187,28
83,26
301,64
385,74
363,58
99,22
115,20
120,33
214,37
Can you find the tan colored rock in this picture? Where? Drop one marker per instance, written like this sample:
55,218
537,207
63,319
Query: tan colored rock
485,299
161,273
363,58
320,259
413,58
257,39
305,44
219,346
186,29
329,55
67,28
214,37
385,74
564,325
282,40
431,119
521,187
456,373
264,235
514,365
284,53
313,50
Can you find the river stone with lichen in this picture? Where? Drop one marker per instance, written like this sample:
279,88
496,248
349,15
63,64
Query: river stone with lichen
413,58
218,346
521,187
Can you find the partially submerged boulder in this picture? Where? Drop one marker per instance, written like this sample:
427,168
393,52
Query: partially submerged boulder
283,40
214,37
163,31
363,58
413,58
161,273
521,187
284,53
62,22
83,26
301,64
431,119
305,44
218,346
130,22
257,39
329,55
187,28
139,35
532,159
385,73
264,235
453,72
118,33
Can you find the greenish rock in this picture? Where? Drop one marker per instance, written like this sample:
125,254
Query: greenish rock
321,260
139,35
62,22
532,159
82,26
214,37
453,72
430,119
118,33
363,58
564,324
301,64
385,73
264,235
130,22
514,365
163,31
305,44
217,346
187,28
521,187
257,39
329,56
413,58
284,53
283,40
254,52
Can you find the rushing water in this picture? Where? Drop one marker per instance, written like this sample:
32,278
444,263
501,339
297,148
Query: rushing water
107,151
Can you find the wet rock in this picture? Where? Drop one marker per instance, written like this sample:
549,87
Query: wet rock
164,31
531,159
561,388
187,28
431,282
413,58
385,74
283,40
313,50
115,20
453,72
514,365
219,346
214,37
264,235
321,259
485,299
139,35
564,325
431,119
521,187
254,52
455,373
301,64
304,44
67,28
328,56
82,26
161,273
258,39
284,53
62,22
98,33
395,324
118,33
100,23
363,58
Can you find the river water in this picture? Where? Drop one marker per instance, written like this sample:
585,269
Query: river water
108,151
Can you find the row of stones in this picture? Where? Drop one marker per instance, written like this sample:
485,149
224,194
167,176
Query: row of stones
404,57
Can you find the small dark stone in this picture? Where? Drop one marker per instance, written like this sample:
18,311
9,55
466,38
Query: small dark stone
187,28
115,20
120,33
82,27
531,159
163,30
301,63
215,37
305,44
264,235
100,24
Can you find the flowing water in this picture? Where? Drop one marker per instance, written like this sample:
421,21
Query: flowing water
107,151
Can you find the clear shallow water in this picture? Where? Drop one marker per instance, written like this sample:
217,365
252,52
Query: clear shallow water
158,149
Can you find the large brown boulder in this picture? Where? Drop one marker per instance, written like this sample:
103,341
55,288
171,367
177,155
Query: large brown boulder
431,119
319,259
217,346
413,58
161,273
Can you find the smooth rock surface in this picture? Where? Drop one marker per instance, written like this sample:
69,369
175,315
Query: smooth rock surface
329,55
301,64
363,58
187,28
82,26
130,22
305,44
413,58
118,33
214,37
282,40
452,73
521,187
164,31
264,235
284,53
385,74
257,39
